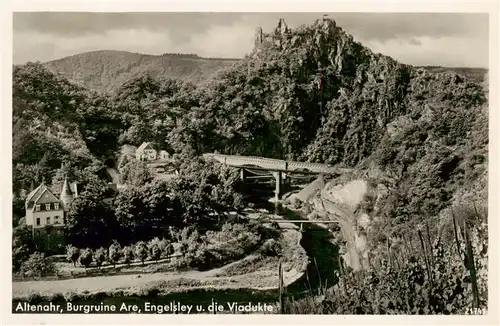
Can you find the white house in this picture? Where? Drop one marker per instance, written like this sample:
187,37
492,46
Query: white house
164,155
146,152
43,208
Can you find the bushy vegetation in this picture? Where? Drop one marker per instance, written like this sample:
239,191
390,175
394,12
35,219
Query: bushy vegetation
197,250
128,254
37,265
72,254
22,246
428,271
86,258
114,253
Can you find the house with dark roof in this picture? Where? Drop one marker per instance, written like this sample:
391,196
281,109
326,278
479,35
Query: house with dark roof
44,208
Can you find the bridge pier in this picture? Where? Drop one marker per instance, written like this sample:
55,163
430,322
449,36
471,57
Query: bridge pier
278,192
243,175
287,183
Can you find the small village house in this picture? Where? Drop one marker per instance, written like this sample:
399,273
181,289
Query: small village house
146,152
164,155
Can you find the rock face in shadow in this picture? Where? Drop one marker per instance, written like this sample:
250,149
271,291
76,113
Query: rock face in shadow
340,203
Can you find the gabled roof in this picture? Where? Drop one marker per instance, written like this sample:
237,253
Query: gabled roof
41,195
145,145
35,193
46,197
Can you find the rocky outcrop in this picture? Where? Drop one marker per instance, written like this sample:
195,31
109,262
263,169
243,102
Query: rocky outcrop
340,203
259,37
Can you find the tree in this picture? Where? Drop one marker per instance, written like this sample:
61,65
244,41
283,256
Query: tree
128,254
86,258
100,257
184,248
22,245
154,251
37,265
72,254
168,250
141,251
204,189
114,253
90,221
131,215
143,212
135,173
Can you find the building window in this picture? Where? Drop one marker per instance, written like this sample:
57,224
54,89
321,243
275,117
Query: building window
38,221
37,208
48,220
47,207
56,205
56,220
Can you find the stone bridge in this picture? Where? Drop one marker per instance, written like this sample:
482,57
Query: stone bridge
279,168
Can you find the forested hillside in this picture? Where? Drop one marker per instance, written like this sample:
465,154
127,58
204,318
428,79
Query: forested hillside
104,71
56,122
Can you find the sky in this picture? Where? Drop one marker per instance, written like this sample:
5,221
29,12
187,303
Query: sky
453,40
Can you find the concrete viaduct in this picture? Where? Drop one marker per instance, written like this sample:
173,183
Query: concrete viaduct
281,170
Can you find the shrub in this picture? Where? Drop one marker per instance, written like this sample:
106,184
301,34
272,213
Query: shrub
72,254
185,233
19,255
162,244
70,296
248,240
174,233
271,247
183,262
99,257
202,259
37,265
127,254
184,248
34,298
85,258
141,251
296,203
114,253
